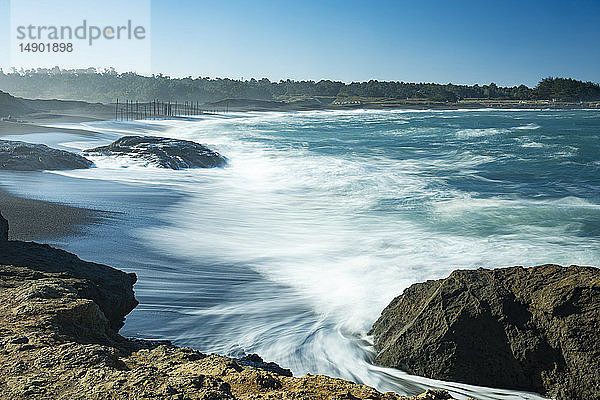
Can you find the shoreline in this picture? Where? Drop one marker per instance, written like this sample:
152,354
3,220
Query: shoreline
32,219
39,113
143,335
60,321
11,128
86,204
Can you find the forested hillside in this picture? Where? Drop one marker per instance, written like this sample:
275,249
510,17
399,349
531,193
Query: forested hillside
93,86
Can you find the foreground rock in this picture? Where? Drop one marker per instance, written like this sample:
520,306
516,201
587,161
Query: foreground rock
21,156
533,328
163,152
59,318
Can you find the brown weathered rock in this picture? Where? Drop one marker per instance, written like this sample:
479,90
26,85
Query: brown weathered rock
110,289
525,328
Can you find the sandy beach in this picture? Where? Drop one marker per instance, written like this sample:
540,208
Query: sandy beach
36,219
9,128
41,220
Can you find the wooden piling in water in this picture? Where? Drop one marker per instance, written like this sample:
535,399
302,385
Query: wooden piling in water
153,109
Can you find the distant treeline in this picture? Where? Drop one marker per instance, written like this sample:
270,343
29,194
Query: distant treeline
106,86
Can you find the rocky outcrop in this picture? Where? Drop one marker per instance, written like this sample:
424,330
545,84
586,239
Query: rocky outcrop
12,106
110,289
59,318
533,328
3,228
21,156
254,360
163,152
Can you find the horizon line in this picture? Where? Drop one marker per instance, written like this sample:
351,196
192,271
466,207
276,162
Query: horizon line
100,70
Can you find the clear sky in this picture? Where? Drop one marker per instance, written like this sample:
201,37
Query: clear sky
460,41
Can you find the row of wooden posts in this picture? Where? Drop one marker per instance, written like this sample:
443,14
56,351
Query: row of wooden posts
130,110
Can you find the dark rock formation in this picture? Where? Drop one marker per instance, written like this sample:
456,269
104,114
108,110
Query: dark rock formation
533,328
3,228
21,156
59,318
110,289
163,152
254,360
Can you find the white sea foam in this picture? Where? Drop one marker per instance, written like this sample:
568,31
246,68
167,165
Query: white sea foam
318,226
527,127
84,144
302,220
533,145
472,133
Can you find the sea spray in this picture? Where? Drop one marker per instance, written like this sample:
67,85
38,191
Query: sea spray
321,218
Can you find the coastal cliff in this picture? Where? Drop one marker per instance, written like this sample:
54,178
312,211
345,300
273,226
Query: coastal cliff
59,322
534,329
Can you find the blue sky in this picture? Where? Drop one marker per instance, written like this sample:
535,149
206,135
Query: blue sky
507,42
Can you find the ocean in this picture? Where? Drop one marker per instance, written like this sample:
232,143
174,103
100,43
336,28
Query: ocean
321,218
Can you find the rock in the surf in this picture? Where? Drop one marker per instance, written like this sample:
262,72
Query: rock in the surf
533,328
163,152
21,156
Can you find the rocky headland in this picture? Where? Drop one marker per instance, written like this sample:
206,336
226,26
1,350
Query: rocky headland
59,322
163,152
535,329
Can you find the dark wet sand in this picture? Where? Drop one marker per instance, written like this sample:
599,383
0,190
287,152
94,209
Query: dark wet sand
41,220
8,128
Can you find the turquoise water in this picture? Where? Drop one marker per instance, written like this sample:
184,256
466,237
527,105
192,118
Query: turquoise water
321,218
